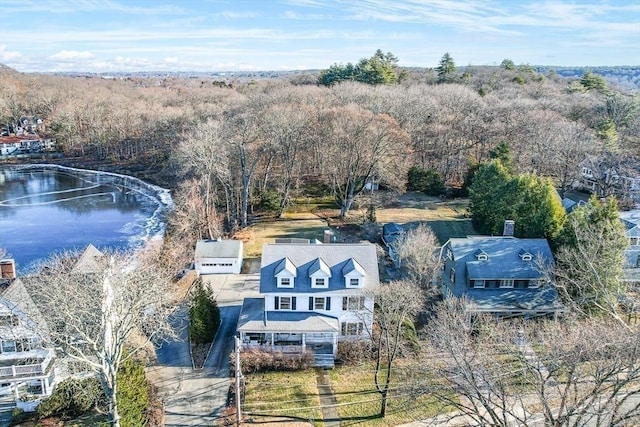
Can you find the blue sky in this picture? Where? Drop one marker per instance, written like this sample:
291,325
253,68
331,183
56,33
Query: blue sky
231,35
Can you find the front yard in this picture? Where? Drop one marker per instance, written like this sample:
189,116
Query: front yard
271,395
294,395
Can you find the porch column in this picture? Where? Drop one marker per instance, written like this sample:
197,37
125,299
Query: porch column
43,386
273,339
335,344
304,342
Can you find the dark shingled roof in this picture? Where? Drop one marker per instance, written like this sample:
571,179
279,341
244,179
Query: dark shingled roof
254,319
341,258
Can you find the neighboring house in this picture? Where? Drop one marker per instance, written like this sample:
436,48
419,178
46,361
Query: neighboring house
27,364
391,233
569,205
500,275
218,256
631,272
313,296
24,143
609,175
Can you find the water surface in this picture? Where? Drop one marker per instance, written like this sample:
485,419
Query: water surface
53,209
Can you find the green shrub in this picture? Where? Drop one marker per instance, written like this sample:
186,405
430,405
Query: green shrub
204,314
260,361
270,201
133,394
73,397
354,351
428,181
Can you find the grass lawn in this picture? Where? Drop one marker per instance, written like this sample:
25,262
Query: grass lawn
277,394
359,403
266,232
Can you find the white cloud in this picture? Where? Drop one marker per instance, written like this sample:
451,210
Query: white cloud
7,55
71,55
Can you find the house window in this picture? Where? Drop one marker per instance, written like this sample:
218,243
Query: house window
285,303
9,320
354,283
506,283
352,303
477,283
285,282
8,346
520,283
320,282
452,276
633,241
319,303
535,283
450,254
351,329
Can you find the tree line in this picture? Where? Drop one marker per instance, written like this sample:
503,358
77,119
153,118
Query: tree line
230,150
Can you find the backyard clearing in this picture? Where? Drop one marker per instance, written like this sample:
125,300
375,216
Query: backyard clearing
309,220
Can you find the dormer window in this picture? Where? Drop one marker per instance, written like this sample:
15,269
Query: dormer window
353,274
319,273
525,255
285,273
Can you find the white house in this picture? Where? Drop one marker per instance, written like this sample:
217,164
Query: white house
218,256
313,295
27,365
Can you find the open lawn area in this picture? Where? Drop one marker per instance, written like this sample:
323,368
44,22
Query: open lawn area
295,395
359,402
309,218
282,394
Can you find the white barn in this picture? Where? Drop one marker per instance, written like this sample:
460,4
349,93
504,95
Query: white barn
218,256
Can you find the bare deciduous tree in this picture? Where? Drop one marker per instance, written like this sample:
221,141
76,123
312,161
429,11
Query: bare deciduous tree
358,145
397,304
417,253
94,304
571,373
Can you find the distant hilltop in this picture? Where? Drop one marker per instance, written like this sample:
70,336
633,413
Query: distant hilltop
625,77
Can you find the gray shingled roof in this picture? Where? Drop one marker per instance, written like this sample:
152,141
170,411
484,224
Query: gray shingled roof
254,319
496,300
504,261
218,249
303,257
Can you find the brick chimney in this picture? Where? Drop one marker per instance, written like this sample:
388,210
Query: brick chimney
509,228
328,234
7,269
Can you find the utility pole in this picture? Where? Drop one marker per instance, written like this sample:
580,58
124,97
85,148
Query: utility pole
238,376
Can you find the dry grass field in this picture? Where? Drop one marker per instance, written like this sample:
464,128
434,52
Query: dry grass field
309,219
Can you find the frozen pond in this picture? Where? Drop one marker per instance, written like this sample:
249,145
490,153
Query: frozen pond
48,209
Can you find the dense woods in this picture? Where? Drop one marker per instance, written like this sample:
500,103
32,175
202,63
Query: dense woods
228,148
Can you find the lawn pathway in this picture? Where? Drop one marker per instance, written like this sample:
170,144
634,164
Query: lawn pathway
327,399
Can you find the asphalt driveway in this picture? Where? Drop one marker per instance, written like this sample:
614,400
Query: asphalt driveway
194,397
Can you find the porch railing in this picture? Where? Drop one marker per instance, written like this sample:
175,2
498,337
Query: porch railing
26,370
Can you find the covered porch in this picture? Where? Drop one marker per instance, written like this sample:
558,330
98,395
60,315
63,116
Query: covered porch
286,331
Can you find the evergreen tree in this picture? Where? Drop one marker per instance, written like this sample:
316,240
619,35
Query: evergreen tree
381,68
204,315
529,200
133,394
446,69
591,258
